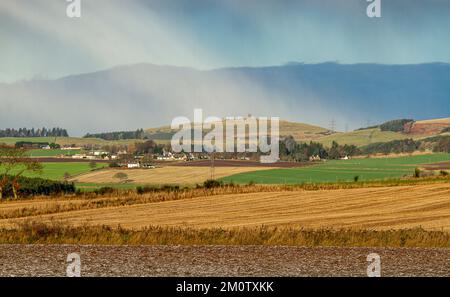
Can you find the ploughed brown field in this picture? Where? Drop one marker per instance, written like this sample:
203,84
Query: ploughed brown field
438,166
429,127
380,208
219,261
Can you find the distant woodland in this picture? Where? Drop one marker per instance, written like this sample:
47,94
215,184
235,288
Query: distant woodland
138,134
41,132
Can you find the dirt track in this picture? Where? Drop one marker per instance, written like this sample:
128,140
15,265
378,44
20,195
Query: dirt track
40,260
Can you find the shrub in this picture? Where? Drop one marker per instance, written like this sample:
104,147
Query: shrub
212,183
54,146
356,178
37,186
153,189
105,190
140,190
442,145
417,172
121,175
444,173
170,188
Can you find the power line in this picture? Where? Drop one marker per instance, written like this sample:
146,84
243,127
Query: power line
332,125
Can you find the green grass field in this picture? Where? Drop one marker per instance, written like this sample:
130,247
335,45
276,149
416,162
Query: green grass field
53,153
340,170
56,171
362,137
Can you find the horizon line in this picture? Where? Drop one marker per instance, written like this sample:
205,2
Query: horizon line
37,77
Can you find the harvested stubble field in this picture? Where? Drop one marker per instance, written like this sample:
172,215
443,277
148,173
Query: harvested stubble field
89,200
378,208
164,175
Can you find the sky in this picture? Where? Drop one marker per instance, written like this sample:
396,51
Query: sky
38,40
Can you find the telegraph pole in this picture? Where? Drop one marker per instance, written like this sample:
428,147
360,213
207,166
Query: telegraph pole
332,125
212,165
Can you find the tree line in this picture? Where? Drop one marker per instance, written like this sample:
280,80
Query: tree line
394,125
291,150
41,132
120,135
438,144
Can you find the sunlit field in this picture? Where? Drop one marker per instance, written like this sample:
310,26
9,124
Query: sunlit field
56,171
341,170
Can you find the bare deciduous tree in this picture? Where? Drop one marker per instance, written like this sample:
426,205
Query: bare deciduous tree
13,163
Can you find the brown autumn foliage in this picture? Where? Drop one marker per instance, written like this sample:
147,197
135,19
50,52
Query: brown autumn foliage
30,232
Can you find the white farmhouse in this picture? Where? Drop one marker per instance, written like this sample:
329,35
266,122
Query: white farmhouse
133,165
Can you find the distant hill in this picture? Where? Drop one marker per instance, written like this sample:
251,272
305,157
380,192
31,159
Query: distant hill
129,97
300,131
362,137
305,133
428,127
415,130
